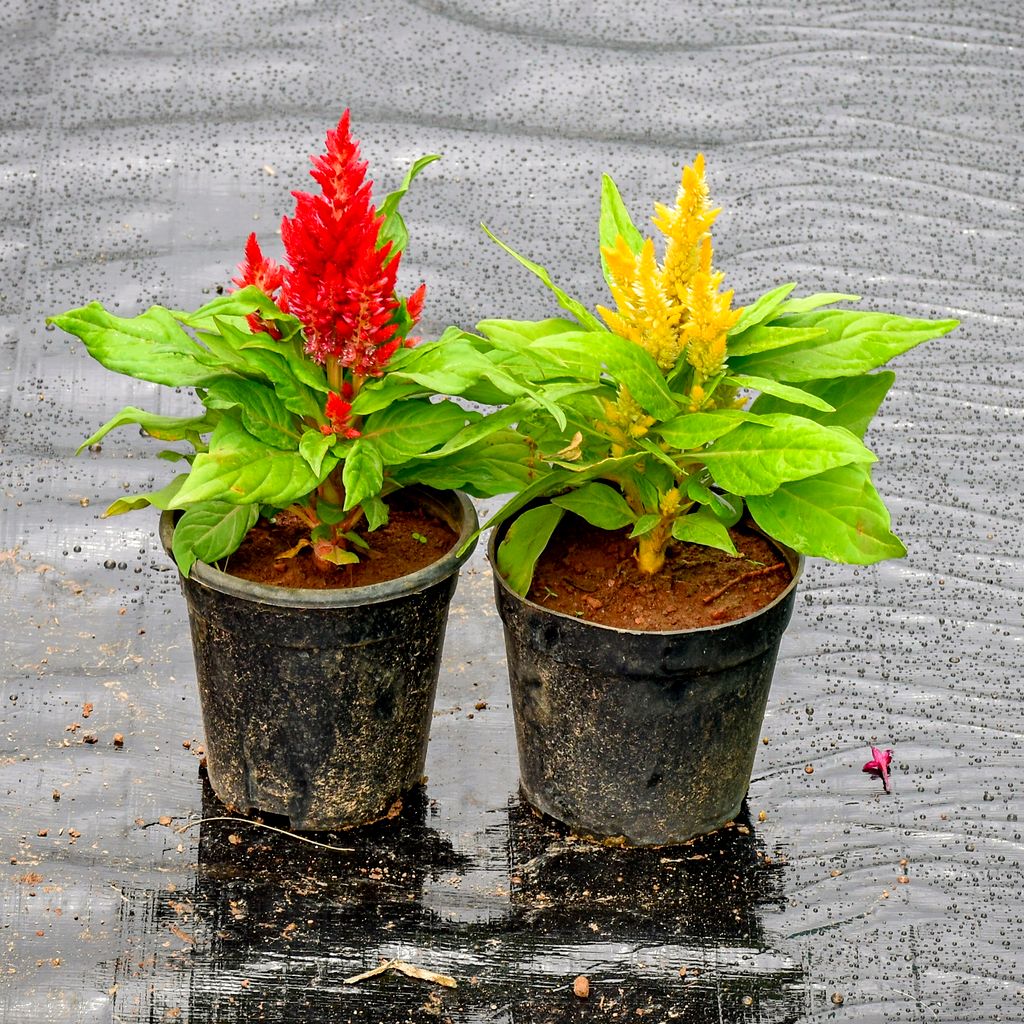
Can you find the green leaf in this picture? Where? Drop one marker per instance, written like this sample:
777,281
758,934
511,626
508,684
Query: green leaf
600,505
761,309
644,525
854,343
559,355
339,556
768,337
353,538
524,543
543,484
757,457
837,514
480,428
363,473
413,427
650,497
855,400
703,527
210,531
625,361
518,334
379,394
242,470
449,369
313,447
236,304
151,346
816,301
261,357
393,229
329,513
693,429
499,464
263,413
300,366
794,396
511,341
376,513
663,458
727,508
490,372
615,222
165,428
569,304
160,499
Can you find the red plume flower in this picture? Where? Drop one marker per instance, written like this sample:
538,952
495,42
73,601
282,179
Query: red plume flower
258,269
414,307
339,411
267,275
339,283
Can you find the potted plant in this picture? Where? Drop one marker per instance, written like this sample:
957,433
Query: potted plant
315,518
646,573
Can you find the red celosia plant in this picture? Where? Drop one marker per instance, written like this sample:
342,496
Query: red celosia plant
315,399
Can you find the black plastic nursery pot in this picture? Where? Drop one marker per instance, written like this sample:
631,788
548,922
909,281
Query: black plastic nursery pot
643,737
317,704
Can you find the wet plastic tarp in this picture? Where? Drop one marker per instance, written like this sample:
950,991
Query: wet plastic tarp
873,148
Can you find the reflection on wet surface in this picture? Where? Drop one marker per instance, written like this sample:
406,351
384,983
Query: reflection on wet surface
272,927
861,148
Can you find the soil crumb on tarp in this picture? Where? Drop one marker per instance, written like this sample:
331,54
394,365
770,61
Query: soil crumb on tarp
592,574
412,539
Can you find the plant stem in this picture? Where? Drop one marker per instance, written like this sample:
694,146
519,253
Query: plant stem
332,489
650,553
300,512
335,374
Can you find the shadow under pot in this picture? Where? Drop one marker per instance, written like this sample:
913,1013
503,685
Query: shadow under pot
317,704
644,737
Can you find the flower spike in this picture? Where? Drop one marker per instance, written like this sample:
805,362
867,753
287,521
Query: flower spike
265,274
340,284
339,411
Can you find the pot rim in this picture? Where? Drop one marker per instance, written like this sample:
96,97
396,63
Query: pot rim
461,515
793,558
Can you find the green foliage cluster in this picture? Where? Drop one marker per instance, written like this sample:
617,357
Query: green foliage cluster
779,432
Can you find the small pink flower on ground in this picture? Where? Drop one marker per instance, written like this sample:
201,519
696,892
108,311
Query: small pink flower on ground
879,765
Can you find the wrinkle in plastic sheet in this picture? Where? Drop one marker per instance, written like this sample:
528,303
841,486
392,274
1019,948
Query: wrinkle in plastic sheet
855,148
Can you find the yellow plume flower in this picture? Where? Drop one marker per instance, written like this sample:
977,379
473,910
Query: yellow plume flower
625,421
645,313
711,317
674,307
670,503
622,269
685,227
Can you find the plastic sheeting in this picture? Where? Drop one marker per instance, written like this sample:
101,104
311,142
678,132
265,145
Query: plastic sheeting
855,147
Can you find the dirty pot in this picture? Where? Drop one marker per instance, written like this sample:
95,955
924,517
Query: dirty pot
317,703
644,737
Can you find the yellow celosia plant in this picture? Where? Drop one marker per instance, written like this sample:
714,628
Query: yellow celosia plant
680,412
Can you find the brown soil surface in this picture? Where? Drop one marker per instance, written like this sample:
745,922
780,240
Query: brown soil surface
592,574
394,551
